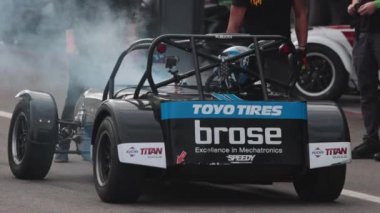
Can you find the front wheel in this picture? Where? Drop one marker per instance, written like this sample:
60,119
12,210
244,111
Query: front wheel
115,182
326,77
28,159
322,184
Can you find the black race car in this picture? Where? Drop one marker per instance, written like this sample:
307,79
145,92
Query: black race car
217,108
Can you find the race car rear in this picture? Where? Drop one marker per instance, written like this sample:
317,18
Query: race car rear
241,124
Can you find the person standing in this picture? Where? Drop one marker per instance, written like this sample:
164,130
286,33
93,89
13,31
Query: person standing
90,41
366,57
269,17
272,17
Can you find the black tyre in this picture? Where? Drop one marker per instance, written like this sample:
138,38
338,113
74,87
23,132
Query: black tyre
326,77
323,184
28,159
115,182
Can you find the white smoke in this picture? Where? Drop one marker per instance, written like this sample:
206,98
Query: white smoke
33,43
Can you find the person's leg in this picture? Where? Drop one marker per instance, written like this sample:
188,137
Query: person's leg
376,48
367,72
74,90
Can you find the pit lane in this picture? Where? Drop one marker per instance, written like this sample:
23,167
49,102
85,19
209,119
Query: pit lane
69,187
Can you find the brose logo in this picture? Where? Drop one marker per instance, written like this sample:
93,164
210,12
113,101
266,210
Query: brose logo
241,158
237,135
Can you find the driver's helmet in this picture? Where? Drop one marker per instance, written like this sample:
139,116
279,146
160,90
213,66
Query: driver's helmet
242,63
237,50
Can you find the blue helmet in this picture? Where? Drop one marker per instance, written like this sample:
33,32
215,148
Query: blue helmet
237,50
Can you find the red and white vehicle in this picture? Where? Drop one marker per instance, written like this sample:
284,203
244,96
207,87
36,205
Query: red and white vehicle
330,72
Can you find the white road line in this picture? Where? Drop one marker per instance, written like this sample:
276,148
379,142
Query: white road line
5,114
361,196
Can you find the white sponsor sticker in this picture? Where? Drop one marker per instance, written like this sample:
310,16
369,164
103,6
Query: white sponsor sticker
329,153
147,154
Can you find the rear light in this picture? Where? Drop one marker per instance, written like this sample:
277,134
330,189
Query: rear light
284,49
161,48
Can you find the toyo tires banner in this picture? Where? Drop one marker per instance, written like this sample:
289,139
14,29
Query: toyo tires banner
242,132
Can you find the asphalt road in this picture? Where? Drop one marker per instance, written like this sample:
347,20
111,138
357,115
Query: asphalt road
69,187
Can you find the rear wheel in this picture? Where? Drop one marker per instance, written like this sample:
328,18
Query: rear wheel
326,78
115,182
323,184
27,159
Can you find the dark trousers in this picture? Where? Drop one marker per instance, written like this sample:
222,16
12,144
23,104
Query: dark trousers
366,55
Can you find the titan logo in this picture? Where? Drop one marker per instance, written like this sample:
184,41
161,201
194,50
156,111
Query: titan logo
151,151
336,151
237,135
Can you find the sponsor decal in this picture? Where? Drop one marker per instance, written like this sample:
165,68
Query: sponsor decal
151,152
337,152
240,150
132,151
240,159
237,138
237,135
317,152
328,154
181,157
229,109
147,154
236,109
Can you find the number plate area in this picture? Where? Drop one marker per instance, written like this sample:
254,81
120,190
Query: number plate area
227,133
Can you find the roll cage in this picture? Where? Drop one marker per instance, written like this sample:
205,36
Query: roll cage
197,45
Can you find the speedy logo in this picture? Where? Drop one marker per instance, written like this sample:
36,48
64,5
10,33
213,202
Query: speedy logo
241,158
237,135
229,109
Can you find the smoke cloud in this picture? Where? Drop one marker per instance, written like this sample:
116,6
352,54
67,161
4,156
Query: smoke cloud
33,42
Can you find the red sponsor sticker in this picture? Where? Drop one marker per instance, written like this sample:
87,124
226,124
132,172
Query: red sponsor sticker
181,157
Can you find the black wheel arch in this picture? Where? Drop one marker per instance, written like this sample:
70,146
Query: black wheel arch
321,113
132,121
43,116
